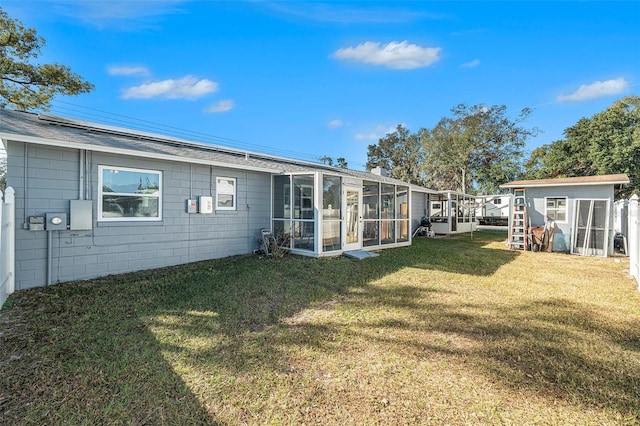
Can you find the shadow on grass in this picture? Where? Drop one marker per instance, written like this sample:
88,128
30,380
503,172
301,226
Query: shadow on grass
106,351
79,355
84,353
554,348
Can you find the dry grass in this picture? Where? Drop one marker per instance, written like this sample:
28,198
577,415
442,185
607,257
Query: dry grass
449,331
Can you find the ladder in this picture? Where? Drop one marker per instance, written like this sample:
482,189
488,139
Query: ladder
518,225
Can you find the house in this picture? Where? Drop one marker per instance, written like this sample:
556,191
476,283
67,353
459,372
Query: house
93,200
579,209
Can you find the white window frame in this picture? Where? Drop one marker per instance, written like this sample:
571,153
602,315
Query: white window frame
101,194
234,193
566,209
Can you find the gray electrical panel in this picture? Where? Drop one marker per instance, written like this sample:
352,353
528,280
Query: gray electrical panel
81,215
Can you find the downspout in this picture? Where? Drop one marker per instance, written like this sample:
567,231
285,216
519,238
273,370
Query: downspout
81,178
25,188
49,256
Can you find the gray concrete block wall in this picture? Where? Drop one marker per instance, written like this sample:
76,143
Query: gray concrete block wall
118,247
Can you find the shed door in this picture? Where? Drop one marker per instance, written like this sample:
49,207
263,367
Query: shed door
591,224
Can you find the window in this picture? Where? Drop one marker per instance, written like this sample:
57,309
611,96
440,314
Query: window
556,209
129,194
497,201
225,193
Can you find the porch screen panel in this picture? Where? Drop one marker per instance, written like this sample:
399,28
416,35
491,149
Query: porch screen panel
281,197
331,208
371,213
402,209
387,223
282,210
303,213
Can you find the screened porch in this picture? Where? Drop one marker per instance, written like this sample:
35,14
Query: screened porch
325,214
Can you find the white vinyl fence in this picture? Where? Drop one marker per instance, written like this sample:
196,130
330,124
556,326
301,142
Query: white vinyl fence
7,244
634,239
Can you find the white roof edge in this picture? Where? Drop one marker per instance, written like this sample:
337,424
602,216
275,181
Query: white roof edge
418,188
130,152
451,191
538,185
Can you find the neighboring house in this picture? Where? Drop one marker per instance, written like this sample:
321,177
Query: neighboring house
93,200
452,212
580,209
493,209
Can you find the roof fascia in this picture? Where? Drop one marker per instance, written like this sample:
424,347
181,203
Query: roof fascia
540,185
417,188
130,152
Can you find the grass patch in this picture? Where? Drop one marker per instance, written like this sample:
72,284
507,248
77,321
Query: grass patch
448,331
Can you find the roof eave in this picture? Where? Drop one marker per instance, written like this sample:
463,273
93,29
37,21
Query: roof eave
542,185
130,152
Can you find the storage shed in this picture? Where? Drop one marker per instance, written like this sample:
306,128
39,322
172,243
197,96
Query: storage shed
579,209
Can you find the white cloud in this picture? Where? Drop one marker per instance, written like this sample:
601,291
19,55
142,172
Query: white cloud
471,64
372,136
376,134
350,14
396,55
185,88
335,123
596,90
128,15
128,70
222,106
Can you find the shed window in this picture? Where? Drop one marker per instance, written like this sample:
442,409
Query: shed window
129,194
225,193
556,209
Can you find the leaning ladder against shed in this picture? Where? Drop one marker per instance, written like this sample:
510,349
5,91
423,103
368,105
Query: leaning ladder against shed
518,229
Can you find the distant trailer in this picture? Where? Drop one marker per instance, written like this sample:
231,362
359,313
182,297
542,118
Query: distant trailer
493,210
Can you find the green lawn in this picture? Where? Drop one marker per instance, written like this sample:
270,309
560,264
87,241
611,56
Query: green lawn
449,331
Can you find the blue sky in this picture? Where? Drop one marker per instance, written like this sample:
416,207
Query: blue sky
309,79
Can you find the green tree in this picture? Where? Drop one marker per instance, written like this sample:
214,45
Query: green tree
340,161
326,160
476,149
23,84
561,158
606,143
400,153
3,171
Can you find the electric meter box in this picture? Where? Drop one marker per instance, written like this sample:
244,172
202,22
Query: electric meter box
56,222
206,204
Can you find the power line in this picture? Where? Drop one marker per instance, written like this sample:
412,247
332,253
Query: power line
93,114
